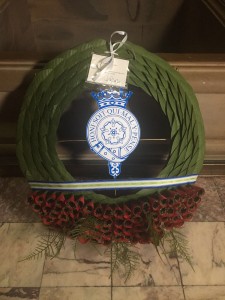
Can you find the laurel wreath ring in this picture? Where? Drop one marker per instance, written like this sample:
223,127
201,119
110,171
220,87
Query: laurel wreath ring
63,78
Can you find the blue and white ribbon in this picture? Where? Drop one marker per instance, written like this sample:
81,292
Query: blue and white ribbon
114,184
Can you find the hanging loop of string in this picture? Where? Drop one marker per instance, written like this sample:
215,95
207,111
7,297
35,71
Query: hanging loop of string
107,62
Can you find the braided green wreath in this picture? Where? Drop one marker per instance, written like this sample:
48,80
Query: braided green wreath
50,94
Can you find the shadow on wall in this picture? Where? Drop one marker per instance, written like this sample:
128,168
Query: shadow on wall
51,26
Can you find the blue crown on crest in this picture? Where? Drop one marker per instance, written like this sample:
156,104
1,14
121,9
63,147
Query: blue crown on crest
112,98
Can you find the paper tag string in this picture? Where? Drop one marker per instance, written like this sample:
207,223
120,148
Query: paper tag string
107,63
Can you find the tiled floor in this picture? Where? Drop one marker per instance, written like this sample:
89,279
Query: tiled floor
88,276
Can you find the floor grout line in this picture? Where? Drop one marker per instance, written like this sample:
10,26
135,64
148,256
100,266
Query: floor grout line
42,277
111,271
181,278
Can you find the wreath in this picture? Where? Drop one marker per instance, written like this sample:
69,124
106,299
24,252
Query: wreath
142,217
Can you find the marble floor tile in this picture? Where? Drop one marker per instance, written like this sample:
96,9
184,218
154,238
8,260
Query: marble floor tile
148,293
205,181
75,293
207,244
18,240
152,270
13,201
204,292
89,268
221,193
211,207
219,181
19,293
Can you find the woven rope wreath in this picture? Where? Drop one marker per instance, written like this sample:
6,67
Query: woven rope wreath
49,95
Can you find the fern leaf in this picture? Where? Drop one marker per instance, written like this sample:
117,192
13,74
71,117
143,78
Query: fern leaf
49,244
179,244
123,256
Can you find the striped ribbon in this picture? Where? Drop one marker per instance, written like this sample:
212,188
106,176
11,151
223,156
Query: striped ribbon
114,184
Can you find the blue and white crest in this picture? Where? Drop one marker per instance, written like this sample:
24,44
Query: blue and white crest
113,131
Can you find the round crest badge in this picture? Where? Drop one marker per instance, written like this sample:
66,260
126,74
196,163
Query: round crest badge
113,132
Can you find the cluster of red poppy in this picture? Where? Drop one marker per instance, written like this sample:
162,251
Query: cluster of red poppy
142,221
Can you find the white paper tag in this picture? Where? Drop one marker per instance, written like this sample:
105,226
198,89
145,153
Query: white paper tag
116,75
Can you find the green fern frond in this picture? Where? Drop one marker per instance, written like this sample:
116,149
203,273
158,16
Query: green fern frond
75,243
49,244
123,256
81,228
178,244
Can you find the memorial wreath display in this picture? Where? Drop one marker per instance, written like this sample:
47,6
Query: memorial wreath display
76,208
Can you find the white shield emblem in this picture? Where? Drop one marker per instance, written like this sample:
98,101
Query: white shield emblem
113,132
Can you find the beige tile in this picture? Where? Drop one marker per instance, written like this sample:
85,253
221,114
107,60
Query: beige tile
219,181
221,192
220,185
18,240
89,268
207,244
148,293
205,182
73,293
13,201
205,292
211,207
19,293
151,271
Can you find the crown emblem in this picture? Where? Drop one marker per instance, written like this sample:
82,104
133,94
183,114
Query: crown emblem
111,97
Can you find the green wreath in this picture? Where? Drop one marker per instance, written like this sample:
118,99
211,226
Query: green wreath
63,78
142,217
